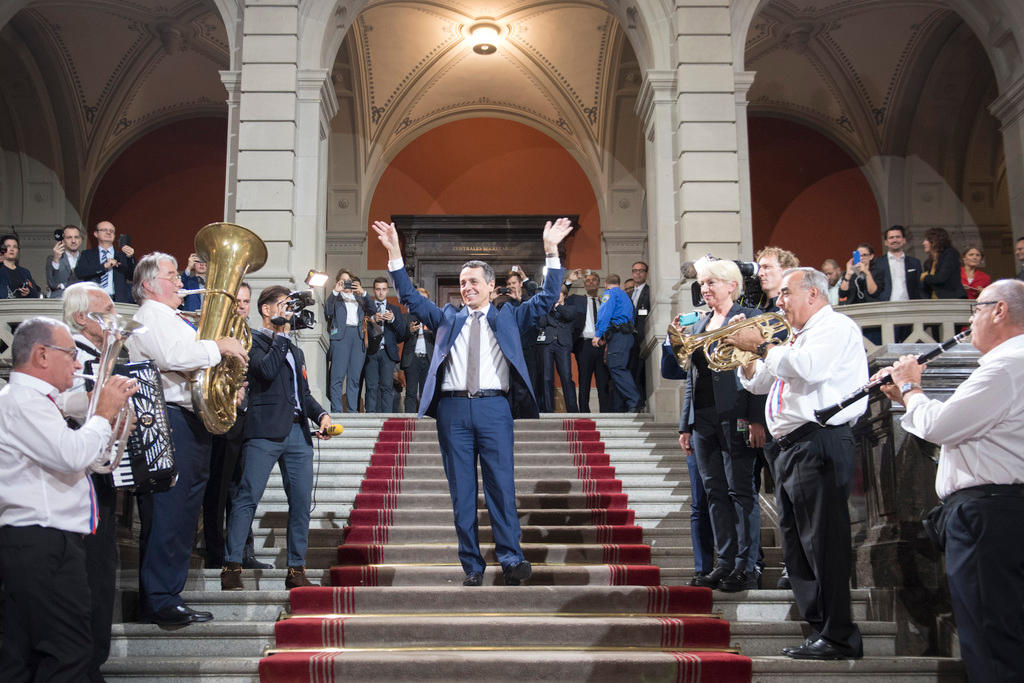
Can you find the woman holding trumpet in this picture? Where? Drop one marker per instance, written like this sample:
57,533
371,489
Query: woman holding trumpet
721,424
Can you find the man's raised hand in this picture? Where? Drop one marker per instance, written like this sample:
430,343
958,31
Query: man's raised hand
388,236
554,233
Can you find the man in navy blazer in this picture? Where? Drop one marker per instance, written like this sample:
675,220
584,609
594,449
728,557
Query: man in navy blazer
477,356
381,361
110,268
276,432
909,286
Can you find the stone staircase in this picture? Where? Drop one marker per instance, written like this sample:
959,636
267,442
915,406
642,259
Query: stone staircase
654,480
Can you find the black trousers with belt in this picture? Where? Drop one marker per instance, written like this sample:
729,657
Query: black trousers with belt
47,635
814,482
415,377
985,568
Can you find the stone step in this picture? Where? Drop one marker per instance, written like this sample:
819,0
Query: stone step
209,579
780,669
452,574
209,639
523,485
425,516
356,554
446,534
183,669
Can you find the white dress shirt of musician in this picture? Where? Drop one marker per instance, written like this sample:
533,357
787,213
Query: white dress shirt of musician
822,362
80,299
981,426
170,341
45,463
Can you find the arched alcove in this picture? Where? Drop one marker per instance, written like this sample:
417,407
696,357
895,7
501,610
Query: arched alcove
488,166
165,186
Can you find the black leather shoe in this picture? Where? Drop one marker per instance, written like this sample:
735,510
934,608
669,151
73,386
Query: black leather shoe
178,615
473,579
821,649
740,580
252,563
789,649
713,579
517,573
697,578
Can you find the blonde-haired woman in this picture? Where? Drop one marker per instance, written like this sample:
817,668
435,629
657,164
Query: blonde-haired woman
717,412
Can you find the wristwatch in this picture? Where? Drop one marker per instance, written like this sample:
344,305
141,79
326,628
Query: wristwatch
909,386
762,348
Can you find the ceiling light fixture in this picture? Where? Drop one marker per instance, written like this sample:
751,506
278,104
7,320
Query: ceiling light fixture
484,37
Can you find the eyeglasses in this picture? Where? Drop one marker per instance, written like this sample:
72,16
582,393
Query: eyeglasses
639,270
71,352
975,304
169,278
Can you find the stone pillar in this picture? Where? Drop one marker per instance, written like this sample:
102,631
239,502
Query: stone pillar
744,80
280,188
232,81
894,489
1009,109
655,108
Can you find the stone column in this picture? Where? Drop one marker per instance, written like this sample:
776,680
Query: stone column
744,79
283,119
655,107
232,81
1009,109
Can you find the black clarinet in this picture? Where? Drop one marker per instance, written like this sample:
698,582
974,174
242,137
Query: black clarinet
825,414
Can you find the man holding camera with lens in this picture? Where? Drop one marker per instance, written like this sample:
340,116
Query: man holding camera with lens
276,432
60,267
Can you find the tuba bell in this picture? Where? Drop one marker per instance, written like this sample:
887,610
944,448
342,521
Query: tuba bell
230,251
722,356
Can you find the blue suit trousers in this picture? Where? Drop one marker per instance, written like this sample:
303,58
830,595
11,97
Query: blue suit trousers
466,428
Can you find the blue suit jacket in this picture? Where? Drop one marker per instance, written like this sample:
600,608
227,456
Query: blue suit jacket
271,388
90,268
395,331
508,324
192,302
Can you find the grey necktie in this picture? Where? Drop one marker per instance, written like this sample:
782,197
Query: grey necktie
105,255
473,364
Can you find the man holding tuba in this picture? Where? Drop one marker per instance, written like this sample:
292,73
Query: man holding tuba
169,518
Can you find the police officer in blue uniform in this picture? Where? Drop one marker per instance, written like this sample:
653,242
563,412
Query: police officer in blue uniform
614,329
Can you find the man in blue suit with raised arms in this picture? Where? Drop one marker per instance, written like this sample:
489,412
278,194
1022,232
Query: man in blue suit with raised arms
477,355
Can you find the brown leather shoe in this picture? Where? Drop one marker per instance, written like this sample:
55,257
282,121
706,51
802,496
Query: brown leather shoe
296,578
231,577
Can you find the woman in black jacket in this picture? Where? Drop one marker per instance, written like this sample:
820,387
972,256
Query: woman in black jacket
940,275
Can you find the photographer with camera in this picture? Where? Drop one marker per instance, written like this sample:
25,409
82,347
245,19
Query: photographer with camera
344,312
388,327
60,267
109,268
864,280
18,282
193,277
276,432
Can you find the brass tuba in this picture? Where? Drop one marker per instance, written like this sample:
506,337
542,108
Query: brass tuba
722,356
230,252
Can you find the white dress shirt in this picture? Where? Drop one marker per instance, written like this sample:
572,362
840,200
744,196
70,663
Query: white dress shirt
493,364
72,260
44,462
898,276
352,317
421,342
981,426
824,363
588,326
637,290
172,343
833,294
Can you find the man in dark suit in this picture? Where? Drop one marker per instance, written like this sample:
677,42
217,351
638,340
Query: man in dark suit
419,347
60,267
276,432
555,343
589,359
194,277
477,356
111,269
641,298
902,271
344,312
381,361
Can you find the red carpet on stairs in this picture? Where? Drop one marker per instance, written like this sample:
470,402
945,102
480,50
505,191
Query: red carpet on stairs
593,610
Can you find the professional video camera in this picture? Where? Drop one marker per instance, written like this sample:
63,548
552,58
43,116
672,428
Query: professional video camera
752,294
298,304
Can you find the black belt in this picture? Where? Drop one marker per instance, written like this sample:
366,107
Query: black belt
421,355
483,393
986,490
801,433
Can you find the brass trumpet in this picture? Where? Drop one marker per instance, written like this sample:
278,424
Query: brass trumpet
722,356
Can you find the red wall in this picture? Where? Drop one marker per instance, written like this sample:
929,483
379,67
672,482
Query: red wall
488,166
808,195
166,186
